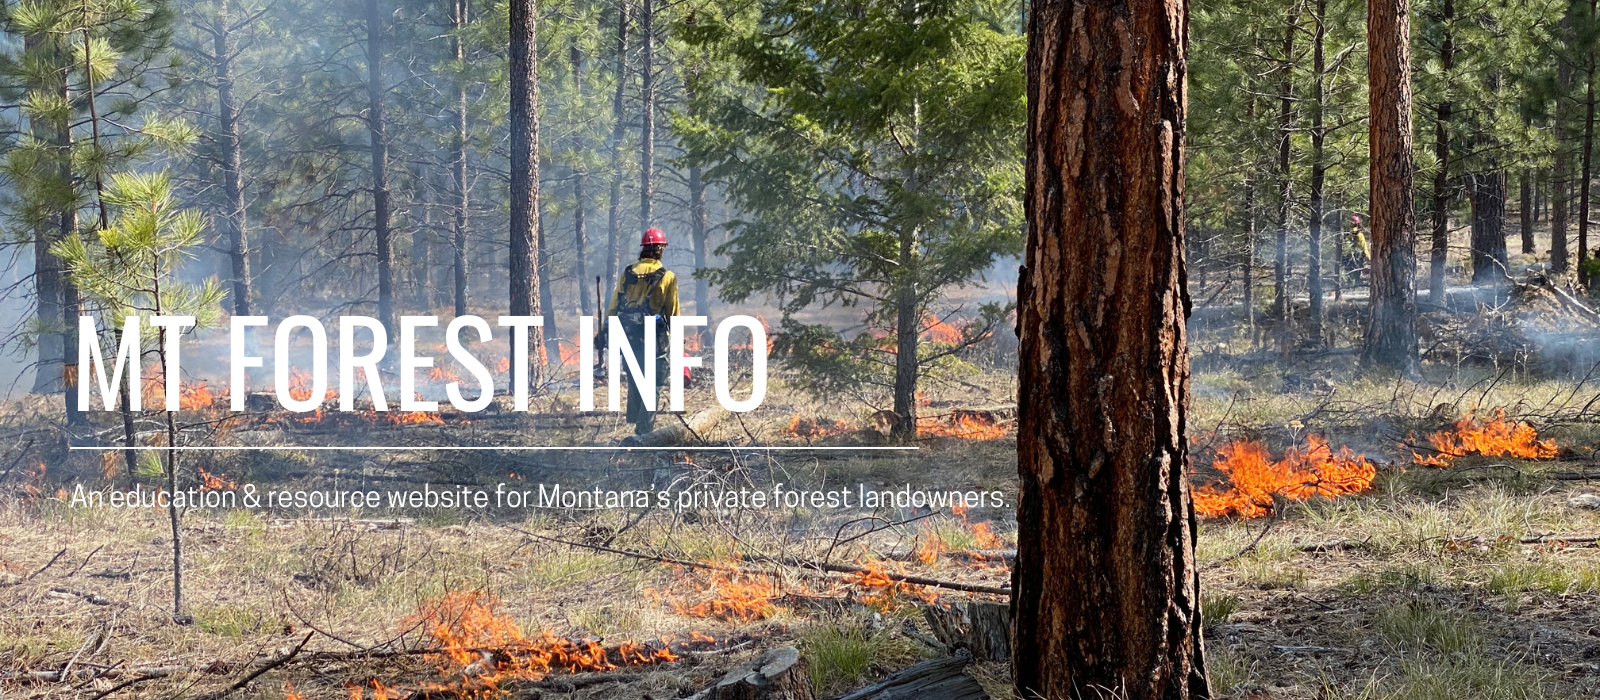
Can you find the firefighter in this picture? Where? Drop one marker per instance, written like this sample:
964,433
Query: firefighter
1354,254
647,289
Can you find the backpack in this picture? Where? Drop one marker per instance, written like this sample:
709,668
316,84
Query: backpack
633,315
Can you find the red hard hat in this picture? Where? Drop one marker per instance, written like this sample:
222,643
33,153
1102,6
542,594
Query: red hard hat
653,236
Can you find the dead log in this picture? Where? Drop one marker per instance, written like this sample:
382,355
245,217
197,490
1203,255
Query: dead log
982,627
939,679
686,431
779,674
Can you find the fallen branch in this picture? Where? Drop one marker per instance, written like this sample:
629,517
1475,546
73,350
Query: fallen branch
47,565
898,578
124,684
91,598
270,664
782,561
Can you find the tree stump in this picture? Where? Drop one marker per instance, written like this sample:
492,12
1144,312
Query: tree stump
982,627
779,674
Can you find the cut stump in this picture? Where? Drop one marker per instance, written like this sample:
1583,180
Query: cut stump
982,627
779,674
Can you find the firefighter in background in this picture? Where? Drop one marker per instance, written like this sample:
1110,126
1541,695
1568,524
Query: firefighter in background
647,289
1354,255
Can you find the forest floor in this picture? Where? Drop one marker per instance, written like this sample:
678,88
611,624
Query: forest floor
1478,579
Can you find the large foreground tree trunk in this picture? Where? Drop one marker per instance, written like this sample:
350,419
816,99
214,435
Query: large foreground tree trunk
1105,598
1391,334
525,165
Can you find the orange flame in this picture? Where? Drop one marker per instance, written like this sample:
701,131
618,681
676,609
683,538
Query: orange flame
811,428
194,397
1496,438
964,425
938,331
735,597
486,649
1254,478
568,353
215,482
886,593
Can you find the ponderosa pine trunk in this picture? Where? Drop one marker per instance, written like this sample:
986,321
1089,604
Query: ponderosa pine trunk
67,225
1439,251
699,229
1286,118
233,219
1319,134
1561,169
1525,209
647,113
552,327
1587,172
1391,333
421,246
614,244
458,165
524,119
377,127
1489,224
908,326
1105,596
580,197
47,275
1249,271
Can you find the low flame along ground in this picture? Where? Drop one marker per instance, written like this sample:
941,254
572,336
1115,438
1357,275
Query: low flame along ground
1252,479
480,652
1496,437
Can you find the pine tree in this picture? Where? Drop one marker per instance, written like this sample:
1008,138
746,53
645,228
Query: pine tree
130,267
879,171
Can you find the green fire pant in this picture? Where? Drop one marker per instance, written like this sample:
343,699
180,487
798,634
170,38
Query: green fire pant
644,419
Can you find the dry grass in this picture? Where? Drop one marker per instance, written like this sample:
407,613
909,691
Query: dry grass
1435,596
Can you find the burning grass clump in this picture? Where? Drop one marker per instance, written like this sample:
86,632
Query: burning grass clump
965,425
1253,480
940,535
479,649
728,596
1496,437
882,592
